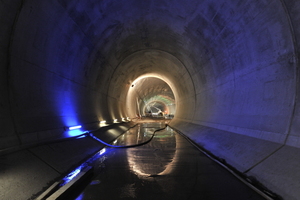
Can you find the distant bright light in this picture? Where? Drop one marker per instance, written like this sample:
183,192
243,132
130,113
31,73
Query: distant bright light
115,120
75,127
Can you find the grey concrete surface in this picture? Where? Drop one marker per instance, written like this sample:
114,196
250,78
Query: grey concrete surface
27,173
232,66
62,156
272,164
278,172
23,175
243,155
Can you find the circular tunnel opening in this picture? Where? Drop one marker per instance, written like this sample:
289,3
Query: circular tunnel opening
151,82
151,97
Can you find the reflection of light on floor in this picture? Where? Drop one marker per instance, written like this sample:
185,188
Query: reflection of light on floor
80,197
138,136
76,171
138,169
95,182
102,151
128,191
135,167
72,175
74,133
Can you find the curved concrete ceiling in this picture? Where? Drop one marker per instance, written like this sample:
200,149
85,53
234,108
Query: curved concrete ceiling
232,66
152,63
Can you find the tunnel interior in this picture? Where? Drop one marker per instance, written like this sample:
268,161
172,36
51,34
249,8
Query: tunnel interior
152,97
227,71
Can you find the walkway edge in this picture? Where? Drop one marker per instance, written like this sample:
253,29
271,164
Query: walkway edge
55,192
245,179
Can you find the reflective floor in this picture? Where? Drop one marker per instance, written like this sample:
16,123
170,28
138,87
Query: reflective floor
168,167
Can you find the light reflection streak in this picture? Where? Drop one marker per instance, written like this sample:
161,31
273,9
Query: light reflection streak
74,133
71,176
76,171
80,197
138,168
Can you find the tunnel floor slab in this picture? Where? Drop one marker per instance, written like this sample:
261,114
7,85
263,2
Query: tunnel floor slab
168,167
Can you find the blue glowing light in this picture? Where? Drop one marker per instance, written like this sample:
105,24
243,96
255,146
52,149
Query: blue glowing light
81,136
74,133
75,127
83,166
72,175
80,197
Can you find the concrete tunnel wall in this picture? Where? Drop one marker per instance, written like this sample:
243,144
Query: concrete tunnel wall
233,67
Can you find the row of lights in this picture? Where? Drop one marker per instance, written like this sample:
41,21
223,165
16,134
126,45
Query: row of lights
75,172
102,123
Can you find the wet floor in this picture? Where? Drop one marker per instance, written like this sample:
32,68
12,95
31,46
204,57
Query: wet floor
168,167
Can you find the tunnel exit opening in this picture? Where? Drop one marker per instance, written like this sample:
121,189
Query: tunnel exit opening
151,97
149,76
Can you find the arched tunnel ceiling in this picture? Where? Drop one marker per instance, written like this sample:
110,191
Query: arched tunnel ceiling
157,64
148,87
232,66
209,52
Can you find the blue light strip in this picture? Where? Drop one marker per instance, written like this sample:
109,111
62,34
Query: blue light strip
75,127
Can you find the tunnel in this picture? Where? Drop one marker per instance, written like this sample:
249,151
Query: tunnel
226,71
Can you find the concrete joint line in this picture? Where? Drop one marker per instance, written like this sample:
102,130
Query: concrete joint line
262,160
42,160
9,55
294,40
